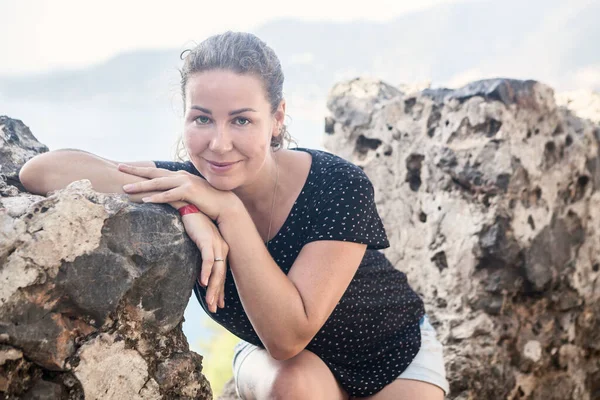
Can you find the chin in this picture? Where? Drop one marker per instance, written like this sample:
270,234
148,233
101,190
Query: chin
222,184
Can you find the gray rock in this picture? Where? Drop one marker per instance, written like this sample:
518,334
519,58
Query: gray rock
490,201
92,293
44,390
17,145
507,91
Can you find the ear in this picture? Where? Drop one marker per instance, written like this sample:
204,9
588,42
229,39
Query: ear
279,118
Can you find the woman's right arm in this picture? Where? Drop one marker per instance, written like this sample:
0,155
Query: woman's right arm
57,169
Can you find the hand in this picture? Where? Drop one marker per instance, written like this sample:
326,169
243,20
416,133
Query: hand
211,244
164,186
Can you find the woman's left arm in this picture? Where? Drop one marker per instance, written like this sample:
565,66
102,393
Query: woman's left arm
287,311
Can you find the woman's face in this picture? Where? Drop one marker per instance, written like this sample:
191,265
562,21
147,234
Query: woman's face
228,126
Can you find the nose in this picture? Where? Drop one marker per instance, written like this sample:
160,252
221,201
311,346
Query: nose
221,140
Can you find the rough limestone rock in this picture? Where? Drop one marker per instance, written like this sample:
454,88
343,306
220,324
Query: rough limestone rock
92,294
490,195
17,145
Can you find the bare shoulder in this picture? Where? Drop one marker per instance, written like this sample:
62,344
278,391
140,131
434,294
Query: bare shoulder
296,162
295,167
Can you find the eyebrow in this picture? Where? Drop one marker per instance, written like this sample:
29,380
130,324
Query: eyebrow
234,112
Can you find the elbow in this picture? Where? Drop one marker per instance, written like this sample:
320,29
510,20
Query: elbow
37,174
282,353
282,350
290,343
28,176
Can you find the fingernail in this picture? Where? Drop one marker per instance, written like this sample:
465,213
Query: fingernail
127,187
146,199
211,300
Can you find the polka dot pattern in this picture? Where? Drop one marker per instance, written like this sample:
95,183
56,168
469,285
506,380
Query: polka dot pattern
373,333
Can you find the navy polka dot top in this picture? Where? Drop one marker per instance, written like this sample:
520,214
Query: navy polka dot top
373,333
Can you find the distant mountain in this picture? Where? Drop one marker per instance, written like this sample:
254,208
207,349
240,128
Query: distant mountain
138,76
549,40
553,41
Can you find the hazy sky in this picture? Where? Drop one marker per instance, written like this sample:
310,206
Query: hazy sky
37,35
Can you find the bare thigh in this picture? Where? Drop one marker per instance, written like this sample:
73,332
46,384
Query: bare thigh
304,376
408,389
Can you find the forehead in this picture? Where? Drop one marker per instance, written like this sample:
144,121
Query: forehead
225,88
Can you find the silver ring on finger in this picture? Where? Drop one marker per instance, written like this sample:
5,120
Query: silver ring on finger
218,259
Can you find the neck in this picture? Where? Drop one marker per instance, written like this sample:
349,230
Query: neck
257,196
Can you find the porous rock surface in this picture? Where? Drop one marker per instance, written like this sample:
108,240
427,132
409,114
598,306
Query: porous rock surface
17,145
490,195
92,292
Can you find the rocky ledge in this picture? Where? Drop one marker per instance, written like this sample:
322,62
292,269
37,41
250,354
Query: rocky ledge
92,292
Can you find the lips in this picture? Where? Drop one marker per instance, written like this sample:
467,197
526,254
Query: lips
222,164
219,167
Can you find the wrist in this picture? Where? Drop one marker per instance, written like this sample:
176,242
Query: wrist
188,209
233,210
196,217
178,204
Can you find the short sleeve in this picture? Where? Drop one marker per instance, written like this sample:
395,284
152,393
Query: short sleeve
345,210
177,166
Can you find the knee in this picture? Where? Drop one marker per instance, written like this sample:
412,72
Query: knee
291,382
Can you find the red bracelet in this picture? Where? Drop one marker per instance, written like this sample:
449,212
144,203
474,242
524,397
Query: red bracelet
189,209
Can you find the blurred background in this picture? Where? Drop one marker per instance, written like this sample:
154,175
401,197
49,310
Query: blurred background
103,76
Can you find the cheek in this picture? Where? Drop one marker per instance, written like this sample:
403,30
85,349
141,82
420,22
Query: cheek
193,141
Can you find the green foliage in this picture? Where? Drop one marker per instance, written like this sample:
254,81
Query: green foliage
218,355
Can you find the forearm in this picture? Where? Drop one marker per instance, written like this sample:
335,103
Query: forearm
272,302
57,169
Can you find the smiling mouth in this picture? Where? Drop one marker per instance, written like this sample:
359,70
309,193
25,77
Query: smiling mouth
218,164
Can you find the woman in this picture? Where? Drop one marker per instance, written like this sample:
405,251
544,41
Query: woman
288,237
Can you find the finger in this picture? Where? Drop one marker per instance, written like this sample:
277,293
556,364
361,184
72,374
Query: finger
175,194
207,264
213,288
137,197
215,283
217,297
217,278
155,185
222,299
146,172
225,250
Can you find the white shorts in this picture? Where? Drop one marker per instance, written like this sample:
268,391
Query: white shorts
427,366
